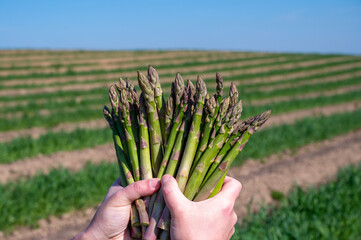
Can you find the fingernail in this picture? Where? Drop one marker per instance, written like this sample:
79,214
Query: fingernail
166,178
154,183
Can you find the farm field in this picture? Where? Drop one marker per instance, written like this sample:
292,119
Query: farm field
57,159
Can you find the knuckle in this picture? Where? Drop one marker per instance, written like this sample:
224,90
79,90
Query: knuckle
138,187
227,207
234,219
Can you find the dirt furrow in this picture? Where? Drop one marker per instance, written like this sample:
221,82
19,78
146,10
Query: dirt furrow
337,91
100,59
125,64
311,165
132,74
89,86
330,79
83,55
12,171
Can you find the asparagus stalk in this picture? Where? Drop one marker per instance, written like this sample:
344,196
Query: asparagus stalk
126,122
144,152
227,146
193,136
155,133
190,147
218,121
158,95
126,175
173,134
168,115
207,158
208,121
133,109
113,97
177,150
216,176
176,155
178,91
233,95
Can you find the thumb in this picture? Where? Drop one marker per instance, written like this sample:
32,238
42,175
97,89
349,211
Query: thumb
173,197
137,190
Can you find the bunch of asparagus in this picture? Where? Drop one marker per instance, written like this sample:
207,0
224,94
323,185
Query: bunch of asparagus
192,136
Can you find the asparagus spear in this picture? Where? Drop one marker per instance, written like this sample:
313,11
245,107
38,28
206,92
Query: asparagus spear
168,115
173,134
190,147
144,151
216,176
126,123
113,97
126,175
133,110
155,133
208,121
228,145
218,121
158,95
213,148
193,136
177,153
233,95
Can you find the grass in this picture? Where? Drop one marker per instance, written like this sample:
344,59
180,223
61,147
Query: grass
241,77
330,212
144,68
25,201
51,142
305,131
54,103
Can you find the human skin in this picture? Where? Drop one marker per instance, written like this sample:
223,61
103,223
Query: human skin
214,218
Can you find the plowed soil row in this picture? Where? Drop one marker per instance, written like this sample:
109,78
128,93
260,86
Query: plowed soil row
264,79
86,55
330,79
124,64
75,160
132,74
311,165
338,91
88,86
276,99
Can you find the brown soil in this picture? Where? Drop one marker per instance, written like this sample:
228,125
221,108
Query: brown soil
106,58
12,171
125,63
311,165
36,132
307,95
185,76
337,78
277,78
132,74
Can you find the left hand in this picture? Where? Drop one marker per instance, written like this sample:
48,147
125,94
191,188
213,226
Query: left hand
112,217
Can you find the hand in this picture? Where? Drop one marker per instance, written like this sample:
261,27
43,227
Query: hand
112,217
213,218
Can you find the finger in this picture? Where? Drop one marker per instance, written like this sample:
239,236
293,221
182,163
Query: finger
137,190
230,189
172,195
231,233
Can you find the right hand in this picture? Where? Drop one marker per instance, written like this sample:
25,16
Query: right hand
210,219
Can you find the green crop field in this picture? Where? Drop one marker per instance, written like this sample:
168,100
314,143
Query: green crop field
53,137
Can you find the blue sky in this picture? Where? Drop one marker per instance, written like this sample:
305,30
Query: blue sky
282,26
